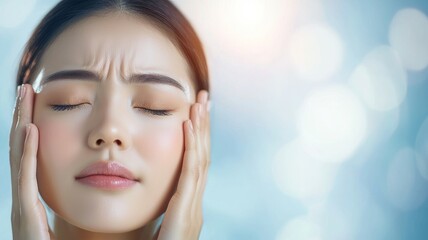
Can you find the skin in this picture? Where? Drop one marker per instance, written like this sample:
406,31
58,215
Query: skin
169,154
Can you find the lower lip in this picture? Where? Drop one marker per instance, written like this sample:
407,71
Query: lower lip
107,182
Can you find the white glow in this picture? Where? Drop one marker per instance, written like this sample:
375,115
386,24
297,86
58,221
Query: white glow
422,149
251,30
405,188
316,52
14,12
380,79
251,25
408,34
332,123
298,174
301,228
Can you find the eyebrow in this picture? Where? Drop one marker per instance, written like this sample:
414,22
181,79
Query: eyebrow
91,76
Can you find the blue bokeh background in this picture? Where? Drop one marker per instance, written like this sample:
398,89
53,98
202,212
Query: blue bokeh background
319,115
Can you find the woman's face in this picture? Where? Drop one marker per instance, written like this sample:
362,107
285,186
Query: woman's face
92,63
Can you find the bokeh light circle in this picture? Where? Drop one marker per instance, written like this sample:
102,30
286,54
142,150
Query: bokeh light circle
301,228
380,80
299,175
332,123
408,35
405,188
316,52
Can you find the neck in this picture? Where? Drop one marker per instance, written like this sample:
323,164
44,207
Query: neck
66,231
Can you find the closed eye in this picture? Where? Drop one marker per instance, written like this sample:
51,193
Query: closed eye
155,112
65,107
69,107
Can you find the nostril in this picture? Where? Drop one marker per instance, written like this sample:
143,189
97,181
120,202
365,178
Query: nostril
99,141
118,142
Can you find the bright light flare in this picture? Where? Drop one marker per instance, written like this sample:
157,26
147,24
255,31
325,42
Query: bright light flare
380,80
251,30
316,52
332,123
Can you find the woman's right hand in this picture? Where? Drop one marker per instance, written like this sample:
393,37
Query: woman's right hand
29,220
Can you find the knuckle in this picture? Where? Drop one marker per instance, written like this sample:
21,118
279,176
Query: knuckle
193,172
204,165
21,179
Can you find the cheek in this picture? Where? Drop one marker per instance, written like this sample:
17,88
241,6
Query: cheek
55,143
161,144
55,159
162,149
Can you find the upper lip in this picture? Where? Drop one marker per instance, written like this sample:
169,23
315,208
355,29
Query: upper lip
108,169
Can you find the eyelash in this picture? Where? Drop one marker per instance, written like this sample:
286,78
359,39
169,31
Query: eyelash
68,107
156,112
65,107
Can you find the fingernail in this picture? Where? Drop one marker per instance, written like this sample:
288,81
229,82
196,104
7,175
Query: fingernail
21,91
200,109
27,131
18,91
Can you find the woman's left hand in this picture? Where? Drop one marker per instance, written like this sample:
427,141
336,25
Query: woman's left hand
183,216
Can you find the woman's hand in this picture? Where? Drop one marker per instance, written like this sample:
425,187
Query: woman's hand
183,217
28,216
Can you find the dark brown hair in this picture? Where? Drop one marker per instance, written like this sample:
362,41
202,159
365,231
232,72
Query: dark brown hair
162,12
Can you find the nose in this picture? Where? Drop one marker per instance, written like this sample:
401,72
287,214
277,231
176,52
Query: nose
108,135
109,130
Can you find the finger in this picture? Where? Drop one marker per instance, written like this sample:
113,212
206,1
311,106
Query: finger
203,134
190,171
27,180
206,152
202,96
176,221
15,109
200,134
197,115
22,116
33,218
14,217
203,165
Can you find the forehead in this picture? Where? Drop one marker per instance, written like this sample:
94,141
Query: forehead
116,41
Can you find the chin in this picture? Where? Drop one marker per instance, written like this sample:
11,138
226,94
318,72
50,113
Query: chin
103,212
112,220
